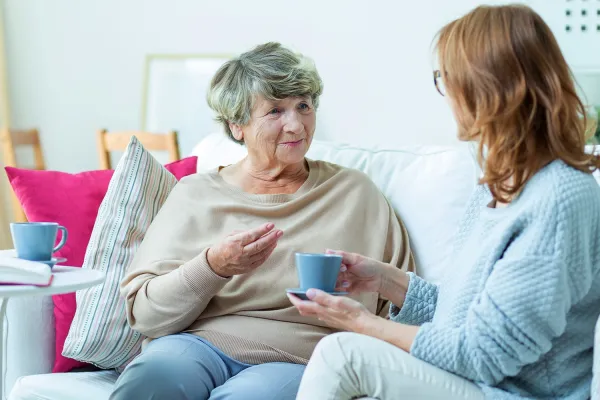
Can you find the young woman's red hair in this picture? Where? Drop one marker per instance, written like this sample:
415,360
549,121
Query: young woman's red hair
513,93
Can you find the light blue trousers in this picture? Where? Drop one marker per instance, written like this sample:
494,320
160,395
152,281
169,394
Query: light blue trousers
186,367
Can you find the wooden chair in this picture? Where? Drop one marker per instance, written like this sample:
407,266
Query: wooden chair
118,141
13,139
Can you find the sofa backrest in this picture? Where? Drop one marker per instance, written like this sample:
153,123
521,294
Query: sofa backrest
428,186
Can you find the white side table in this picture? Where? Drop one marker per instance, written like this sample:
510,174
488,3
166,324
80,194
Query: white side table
66,280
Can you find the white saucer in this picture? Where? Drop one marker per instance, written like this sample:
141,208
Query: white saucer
301,293
51,263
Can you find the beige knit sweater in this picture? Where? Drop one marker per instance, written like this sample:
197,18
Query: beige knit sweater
170,287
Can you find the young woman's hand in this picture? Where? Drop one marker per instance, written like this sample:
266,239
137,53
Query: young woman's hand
358,273
337,312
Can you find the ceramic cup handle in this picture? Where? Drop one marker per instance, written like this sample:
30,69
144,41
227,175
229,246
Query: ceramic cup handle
63,240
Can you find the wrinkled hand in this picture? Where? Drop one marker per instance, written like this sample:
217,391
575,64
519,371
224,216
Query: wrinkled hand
358,273
243,252
338,312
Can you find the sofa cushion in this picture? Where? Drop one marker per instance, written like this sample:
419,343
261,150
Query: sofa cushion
428,186
72,200
99,333
96,385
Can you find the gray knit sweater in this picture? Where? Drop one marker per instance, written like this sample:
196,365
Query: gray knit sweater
517,308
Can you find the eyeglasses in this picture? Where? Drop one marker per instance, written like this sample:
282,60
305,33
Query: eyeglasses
439,82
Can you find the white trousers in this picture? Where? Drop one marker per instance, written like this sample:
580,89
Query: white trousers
348,366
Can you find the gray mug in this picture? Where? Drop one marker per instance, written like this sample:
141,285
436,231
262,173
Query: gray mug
318,271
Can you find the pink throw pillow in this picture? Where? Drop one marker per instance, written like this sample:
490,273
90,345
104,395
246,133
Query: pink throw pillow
72,200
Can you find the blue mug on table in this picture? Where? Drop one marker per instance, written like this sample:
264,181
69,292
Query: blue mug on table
34,241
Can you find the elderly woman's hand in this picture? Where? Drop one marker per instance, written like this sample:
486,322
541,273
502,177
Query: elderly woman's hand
338,312
243,252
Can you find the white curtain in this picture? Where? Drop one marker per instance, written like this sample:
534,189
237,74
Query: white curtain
5,198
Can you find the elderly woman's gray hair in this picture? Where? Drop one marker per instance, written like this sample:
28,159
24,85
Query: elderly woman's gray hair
269,70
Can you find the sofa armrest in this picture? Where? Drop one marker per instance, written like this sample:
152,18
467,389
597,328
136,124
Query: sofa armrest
596,379
29,335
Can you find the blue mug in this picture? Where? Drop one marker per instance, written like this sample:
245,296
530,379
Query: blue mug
318,271
34,241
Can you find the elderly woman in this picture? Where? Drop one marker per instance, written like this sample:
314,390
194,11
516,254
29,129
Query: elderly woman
208,283
514,318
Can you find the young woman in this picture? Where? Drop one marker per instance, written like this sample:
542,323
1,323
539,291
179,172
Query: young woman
515,315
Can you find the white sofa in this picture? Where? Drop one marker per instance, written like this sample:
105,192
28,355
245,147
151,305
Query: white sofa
428,187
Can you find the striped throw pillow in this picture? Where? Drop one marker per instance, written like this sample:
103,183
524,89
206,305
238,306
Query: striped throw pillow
99,333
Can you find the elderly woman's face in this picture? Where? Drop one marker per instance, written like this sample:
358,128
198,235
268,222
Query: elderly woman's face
280,131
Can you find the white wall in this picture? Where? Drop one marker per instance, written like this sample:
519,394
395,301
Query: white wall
75,66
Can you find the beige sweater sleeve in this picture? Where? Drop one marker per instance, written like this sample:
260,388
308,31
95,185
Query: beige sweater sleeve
167,286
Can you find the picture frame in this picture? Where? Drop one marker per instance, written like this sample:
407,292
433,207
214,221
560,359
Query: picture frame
174,96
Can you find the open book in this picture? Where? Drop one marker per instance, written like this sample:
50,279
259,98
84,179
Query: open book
14,271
